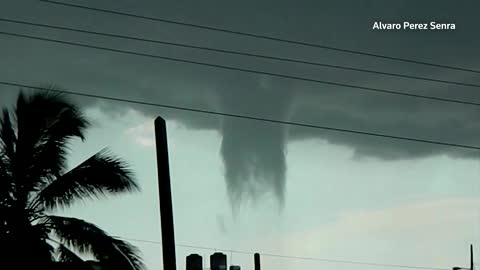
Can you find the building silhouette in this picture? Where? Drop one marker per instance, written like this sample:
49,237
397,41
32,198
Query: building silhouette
218,261
194,262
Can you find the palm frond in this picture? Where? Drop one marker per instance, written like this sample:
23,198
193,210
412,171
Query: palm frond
8,138
49,111
67,259
6,185
34,143
45,123
65,255
89,239
128,256
7,151
26,248
100,175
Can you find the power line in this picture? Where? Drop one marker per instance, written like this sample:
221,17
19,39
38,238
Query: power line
245,116
233,52
265,37
251,71
290,257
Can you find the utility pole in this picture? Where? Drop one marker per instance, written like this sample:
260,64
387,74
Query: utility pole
165,194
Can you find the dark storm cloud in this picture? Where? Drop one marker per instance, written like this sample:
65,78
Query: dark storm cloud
253,152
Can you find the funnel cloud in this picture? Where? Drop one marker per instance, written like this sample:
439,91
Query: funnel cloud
253,152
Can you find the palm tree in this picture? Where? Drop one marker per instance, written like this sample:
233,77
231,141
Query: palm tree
34,181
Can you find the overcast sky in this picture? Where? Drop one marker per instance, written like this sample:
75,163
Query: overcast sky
255,186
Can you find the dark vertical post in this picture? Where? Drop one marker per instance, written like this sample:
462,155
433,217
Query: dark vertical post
218,261
165,193
471,257
256,257
194,262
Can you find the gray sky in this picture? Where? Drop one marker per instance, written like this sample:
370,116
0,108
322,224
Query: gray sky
409,203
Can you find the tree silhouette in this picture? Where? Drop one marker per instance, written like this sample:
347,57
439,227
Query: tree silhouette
34,181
